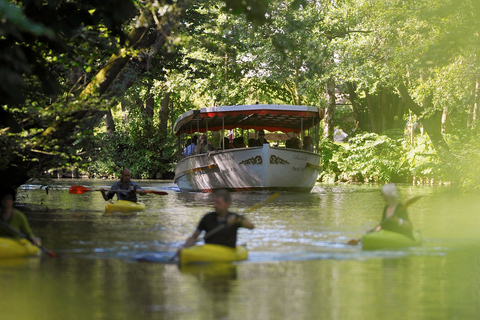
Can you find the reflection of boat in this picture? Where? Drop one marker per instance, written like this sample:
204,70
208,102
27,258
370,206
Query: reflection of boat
384,239
124,206
212,253
10,248
256,168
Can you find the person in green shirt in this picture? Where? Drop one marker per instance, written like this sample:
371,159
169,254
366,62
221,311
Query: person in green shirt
12,216
395,217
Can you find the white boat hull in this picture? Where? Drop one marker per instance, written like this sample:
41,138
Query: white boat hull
258,168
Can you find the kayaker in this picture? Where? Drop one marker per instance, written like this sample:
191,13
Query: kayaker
13,217
220,225
127,189
394,218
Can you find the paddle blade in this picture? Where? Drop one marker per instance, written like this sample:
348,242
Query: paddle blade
353,242
272,197
78,190
49,253
160,193
411,201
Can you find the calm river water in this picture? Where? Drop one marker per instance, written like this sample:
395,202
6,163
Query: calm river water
299,265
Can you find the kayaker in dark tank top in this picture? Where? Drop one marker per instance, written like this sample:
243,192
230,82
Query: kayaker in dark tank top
394,218
221,225
125,189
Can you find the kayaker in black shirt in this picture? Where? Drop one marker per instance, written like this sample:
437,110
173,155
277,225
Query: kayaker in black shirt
394,217
221,225
127,189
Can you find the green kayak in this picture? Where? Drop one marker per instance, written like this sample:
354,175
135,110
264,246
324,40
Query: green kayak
385,239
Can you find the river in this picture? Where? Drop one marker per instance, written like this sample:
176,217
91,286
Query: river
299,265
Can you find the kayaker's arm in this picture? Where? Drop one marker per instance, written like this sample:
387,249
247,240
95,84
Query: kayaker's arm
240,221
104,194
140,191
245,223
192,240
107,196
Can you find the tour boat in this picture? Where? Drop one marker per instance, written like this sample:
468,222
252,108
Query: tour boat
250,168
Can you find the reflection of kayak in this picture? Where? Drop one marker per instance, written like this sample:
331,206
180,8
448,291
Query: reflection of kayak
211,271
212,253
10,248
385,239
124,206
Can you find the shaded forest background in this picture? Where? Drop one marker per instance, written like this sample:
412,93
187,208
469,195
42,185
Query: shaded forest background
93,86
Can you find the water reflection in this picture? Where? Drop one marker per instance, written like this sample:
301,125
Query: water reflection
299,267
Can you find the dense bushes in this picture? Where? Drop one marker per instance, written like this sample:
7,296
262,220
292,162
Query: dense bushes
370,157
137,145
147,158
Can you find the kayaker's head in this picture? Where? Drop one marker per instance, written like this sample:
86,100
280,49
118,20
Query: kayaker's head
7,197
126,174
223,200
390,193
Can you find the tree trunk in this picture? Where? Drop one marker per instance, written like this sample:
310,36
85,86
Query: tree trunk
384,111
352,96
372,112
476,106
359,113
432,124
109,123
329,119
149,103
445,124
164,111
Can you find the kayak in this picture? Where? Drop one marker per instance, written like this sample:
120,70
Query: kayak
11,248
124,206
212,253
384,239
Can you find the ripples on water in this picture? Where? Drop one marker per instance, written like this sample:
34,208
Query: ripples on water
299,266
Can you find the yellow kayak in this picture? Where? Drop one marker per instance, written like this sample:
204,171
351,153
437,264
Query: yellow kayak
11,248
384,239
212,253
124,206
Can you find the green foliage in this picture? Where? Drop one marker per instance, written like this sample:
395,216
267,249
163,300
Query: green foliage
371,157
145,153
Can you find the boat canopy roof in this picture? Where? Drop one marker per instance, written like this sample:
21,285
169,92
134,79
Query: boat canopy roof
269,117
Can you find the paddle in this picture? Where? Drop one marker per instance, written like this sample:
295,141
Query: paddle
82,190
377,228
23,236
223,225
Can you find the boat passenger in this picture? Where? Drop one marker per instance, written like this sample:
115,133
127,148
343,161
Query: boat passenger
204,145
308,144
251,143
295,143
261,139
190,149
189,143
125,189
238,142
226,144
14,217
220,225
394,217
